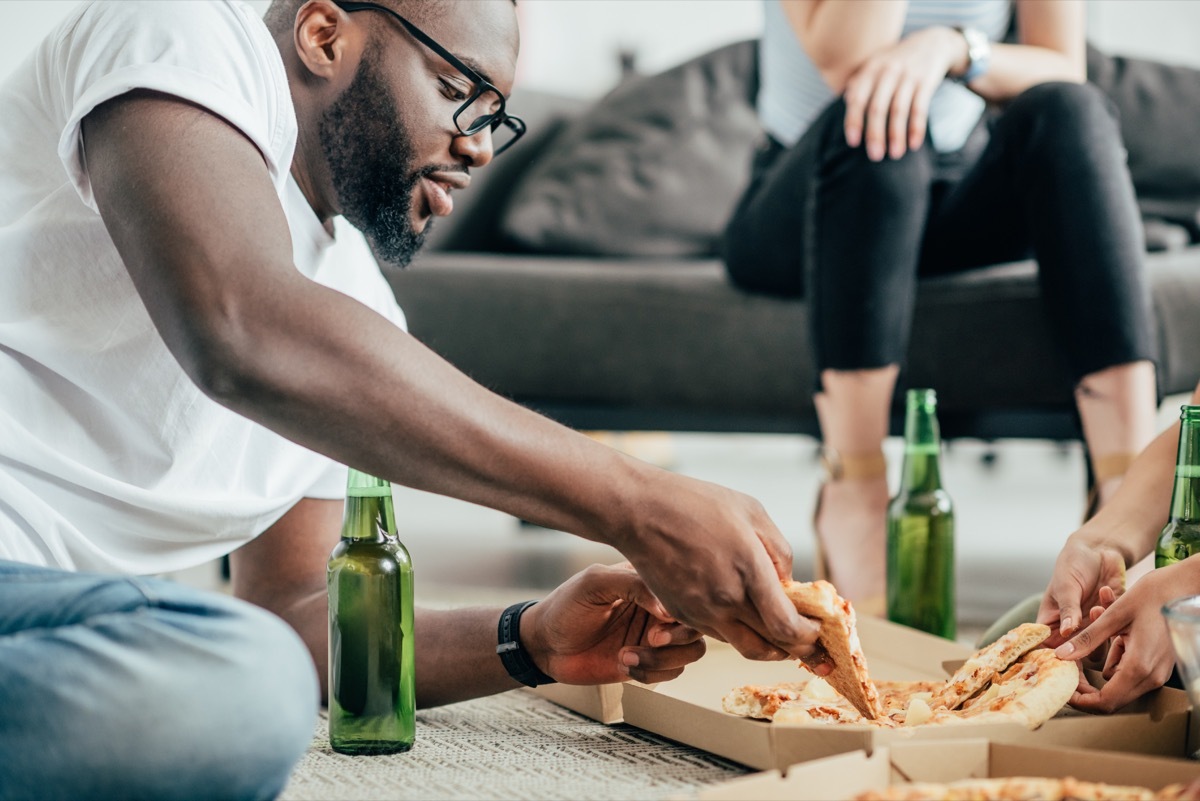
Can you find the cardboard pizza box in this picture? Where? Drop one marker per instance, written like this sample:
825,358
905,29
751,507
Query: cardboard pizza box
688,709
842,777
601,703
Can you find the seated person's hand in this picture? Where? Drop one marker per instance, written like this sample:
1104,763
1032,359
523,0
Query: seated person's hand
1082,573
602,626
1140,657
887,98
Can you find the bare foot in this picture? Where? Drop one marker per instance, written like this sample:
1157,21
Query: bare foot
852,534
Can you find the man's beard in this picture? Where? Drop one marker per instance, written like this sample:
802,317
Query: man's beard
370,157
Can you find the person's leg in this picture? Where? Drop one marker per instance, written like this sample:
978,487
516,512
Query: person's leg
142,688
822,221
1054,179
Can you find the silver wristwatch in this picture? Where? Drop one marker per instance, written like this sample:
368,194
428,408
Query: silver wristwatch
979,53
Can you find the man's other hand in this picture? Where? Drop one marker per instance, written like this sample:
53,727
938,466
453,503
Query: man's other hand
603,625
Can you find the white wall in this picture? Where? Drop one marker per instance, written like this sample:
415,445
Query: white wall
570,45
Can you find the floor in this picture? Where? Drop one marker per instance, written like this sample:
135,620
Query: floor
1015,503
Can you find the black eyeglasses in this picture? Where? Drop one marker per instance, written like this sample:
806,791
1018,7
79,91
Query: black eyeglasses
476,109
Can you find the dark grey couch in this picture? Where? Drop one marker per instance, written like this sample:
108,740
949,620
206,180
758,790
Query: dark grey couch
579,277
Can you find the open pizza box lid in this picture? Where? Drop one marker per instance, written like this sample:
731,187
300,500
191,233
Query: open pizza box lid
688,709
844,776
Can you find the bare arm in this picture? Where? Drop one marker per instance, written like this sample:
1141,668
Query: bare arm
189,205
839,36
1052,48
579,634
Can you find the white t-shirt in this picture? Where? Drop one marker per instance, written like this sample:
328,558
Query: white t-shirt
110,457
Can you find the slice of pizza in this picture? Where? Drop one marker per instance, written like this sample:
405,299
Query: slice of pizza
988,663
839,637
1030,692
1010,788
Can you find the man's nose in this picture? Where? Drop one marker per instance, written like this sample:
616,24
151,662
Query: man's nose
475,148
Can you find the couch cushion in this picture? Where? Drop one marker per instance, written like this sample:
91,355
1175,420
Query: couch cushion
1159,105
652,169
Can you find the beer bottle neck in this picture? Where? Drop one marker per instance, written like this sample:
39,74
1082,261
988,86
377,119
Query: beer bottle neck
368,518
1185,497
922,448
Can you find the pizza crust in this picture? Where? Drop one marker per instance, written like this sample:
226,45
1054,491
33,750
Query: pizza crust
982,667
839,637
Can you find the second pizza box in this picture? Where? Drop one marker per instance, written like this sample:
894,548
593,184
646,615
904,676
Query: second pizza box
688,709
846,775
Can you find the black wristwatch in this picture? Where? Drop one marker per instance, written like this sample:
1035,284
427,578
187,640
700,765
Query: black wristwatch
516,660
979,53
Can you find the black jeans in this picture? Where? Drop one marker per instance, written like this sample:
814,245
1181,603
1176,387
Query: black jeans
1046,177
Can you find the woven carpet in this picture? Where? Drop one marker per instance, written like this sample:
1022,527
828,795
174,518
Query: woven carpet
514,745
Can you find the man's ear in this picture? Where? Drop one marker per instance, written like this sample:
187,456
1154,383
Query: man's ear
325,39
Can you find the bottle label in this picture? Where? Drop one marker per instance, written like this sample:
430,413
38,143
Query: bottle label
1187,471
922,448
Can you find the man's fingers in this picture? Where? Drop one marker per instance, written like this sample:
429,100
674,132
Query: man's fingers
649,660
660,635
608,583
750,645
819,662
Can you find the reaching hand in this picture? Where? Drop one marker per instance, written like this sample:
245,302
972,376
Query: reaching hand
602,626
889,94
1081,572
1140,658
716,561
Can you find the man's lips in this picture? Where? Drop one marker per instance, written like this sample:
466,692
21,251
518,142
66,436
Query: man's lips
437,188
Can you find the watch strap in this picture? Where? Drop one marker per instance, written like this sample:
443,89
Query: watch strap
512,655
979,53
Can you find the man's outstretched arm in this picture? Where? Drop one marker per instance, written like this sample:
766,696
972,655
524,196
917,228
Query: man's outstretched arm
582,633
189,204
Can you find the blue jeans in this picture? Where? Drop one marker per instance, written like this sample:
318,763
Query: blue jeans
129,688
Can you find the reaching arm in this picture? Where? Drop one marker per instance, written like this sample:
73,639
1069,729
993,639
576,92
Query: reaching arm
1122,532
584,632
189,205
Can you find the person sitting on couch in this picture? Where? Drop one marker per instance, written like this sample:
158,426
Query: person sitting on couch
881,166
181,370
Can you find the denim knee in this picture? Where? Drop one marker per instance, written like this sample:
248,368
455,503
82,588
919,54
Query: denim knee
252,710
894,184
187,696
1064,122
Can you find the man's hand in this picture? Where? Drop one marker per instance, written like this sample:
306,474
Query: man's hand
603,625
715,560
1082,571
1141,656
888,96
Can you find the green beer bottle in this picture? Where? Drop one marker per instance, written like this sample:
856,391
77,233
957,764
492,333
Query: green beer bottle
920,520
372,695
1180,538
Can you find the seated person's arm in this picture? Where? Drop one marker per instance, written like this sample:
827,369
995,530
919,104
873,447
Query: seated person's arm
579,634
1052,48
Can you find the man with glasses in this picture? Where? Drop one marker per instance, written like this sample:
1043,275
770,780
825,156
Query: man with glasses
183,365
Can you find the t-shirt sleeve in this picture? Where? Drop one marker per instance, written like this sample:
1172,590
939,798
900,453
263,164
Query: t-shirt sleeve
217,55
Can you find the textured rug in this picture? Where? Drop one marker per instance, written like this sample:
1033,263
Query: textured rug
510,746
